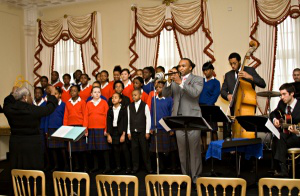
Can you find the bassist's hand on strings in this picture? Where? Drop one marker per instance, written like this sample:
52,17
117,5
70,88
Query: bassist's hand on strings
243,74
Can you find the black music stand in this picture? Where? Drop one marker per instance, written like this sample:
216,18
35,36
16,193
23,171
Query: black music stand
78,136
254,124
187,123
213,114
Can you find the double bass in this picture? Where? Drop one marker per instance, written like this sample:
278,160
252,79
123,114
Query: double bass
243,99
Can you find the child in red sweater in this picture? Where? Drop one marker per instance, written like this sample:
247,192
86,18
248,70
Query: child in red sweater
95,121
55,79
138,83
106,86
74,113
65,96
128,86
85,87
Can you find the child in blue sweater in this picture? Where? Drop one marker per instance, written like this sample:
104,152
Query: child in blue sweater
166,141
53,122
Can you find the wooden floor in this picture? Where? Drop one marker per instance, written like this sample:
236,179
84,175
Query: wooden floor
224,168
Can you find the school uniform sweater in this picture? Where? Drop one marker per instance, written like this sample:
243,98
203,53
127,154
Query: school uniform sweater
148,87
128,90
144,97
107,90
55,120
85,92
210,92
95,116
163,108
58,84
65,96
74,113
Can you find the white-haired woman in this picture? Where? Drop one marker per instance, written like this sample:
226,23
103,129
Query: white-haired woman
25,145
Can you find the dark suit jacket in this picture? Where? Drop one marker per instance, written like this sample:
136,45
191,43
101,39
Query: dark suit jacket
230,80
282,106
122,120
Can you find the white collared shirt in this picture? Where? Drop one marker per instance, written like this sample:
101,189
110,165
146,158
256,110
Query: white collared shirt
55,83
205,79
81,89
116,111
128,83
63,87
293,104
236,74
96,102
145,83
157,97
147,114
39,104
103,86
59,102
74,102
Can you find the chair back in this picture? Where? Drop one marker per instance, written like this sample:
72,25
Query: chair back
23,186
101,180
279,183
224,182
64,181
158,181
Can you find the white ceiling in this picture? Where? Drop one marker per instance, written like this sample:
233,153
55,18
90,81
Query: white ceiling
41,3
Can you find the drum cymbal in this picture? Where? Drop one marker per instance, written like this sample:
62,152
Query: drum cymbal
268,94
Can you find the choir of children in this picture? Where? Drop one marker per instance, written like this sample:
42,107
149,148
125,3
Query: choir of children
116,115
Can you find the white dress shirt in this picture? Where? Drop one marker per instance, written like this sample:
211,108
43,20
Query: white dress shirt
147,114
116,111
293,104
128,83
74,102
103,86
39,104
96,102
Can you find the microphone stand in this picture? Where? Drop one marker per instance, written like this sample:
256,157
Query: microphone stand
155,127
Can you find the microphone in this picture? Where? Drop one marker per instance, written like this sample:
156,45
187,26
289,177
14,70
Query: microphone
160,75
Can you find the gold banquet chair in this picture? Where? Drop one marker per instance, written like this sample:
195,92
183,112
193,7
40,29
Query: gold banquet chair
279,183
22,187
295,154
118,179
62,179
169,179
224,182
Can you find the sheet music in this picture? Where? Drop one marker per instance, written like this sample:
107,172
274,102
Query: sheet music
272,128
164,125
62,131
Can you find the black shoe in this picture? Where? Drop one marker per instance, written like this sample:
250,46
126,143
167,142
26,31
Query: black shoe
118,169
134,171
128,170
284,171
106,171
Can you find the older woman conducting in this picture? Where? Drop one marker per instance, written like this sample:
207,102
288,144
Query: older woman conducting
25,145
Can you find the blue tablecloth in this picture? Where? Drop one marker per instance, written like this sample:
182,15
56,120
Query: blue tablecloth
215,150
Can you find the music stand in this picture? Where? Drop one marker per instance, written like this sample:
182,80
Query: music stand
254,124
187,123
213,114
71,135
